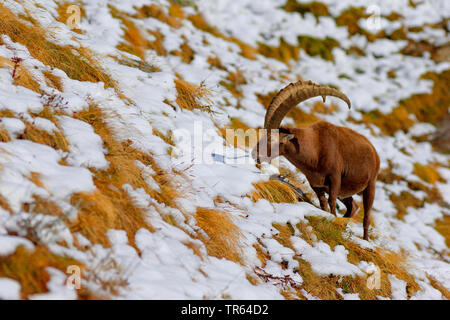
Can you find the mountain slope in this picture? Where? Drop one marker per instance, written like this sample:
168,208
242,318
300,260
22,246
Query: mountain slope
114,156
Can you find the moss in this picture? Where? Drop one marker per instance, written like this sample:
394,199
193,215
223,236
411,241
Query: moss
426,107
284,52
403,201
350,17
398,119
321,47
427,173
331,232
431,107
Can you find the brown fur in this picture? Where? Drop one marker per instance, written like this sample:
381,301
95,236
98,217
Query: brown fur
335,160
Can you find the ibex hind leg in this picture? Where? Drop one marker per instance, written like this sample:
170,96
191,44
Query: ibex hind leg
351,206
368,197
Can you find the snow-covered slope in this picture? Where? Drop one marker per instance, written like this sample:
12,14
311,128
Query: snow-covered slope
101,169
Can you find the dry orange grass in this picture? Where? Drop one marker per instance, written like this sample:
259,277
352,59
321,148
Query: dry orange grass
108,208
216,63
435,284
223,235
331,232
200,23
316,285
53,81
185,53
44,206
64,14
22,76
427,107
324,287
4,204
190,96
318,9
433,194
55,140
427,173
49,113
389,262
154,11
443,227
35,177
28,268
265,99
135,41
404,200
274,191
234,81
82,66
6,113
111,206
4,135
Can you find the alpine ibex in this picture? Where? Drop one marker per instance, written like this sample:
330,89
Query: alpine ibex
335,160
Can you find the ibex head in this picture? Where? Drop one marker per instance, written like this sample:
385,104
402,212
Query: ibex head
271,144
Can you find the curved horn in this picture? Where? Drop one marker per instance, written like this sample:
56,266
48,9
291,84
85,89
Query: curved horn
292,95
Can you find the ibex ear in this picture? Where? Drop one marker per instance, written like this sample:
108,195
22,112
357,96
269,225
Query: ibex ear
288,137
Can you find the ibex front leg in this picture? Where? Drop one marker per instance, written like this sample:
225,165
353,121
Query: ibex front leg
320,192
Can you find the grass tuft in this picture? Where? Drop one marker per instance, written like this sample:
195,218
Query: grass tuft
78,64
223,234
55,140
274,191
28,268
191,96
